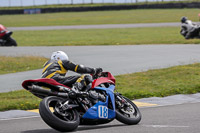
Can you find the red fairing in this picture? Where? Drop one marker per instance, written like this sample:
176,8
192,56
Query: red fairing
109,79
43,80
3,31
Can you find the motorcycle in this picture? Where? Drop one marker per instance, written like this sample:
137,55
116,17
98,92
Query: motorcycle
5,37
65,111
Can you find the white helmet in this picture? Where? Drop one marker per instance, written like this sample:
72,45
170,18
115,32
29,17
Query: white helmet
59,55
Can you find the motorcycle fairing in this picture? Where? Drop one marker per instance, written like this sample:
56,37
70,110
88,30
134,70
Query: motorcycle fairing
108,79
101,110
4,32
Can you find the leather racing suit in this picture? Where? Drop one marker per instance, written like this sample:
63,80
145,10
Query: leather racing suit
57,70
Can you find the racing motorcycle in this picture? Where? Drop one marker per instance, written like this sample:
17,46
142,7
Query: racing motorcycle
65,111
5,37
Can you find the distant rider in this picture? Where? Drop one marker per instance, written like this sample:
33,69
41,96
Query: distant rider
189,29
57,67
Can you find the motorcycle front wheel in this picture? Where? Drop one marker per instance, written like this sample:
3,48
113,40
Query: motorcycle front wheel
126,111
10,42
53,112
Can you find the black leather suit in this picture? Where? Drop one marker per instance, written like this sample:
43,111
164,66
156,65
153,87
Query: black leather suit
57,70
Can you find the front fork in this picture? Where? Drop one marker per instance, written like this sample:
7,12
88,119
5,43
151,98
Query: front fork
121,103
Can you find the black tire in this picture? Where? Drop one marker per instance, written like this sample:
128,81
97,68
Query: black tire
1,44
10,42
53,119
126,118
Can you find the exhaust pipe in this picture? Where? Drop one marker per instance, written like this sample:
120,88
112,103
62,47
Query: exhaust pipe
41,91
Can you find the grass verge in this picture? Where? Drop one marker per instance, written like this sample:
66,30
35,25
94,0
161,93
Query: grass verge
22,100
159,83
100,17
18,64
159,35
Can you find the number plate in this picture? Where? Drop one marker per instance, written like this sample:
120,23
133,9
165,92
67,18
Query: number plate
103,112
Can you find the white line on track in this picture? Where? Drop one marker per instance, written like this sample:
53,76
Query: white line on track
18,118
165,126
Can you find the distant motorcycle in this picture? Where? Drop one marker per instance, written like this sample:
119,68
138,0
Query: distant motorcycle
65,111
189,30
5,37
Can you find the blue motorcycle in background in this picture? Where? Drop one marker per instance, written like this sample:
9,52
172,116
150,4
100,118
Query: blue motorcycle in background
98,105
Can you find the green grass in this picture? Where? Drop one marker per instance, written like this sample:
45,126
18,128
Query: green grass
100,17
162,82
58,6
159,35
159,83
75,5
18,64
21,99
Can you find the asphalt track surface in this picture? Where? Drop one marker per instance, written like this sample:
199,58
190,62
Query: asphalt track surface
116,59
183,118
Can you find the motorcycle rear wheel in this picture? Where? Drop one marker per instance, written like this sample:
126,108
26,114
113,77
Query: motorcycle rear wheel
129,113
61,120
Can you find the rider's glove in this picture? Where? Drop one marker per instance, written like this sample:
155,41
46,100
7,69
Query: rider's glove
98,71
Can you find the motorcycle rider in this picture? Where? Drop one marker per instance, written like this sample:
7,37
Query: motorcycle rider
57,67
189,29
